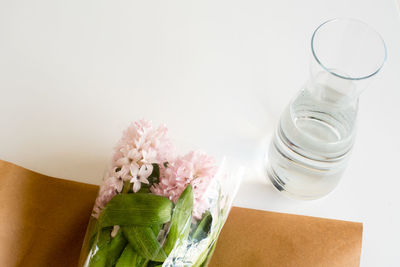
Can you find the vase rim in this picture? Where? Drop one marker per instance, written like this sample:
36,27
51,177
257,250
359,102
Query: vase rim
354,21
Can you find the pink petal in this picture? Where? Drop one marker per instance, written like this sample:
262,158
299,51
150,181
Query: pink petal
122,161
134,169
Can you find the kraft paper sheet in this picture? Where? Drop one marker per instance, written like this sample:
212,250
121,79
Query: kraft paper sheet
43,222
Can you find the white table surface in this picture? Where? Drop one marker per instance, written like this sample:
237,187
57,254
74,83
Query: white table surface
73,74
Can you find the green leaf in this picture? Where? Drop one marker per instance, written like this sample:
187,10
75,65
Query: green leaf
144,263
93,229
204,259
181,220
136,209
130,258
144,241
209,255
101,239
115,249
203,228
156,228
99,259
153,264
104,237
144,189
109,252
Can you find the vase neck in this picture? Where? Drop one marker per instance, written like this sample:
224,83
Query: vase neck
330,89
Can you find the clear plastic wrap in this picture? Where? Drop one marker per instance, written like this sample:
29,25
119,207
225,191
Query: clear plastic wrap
158,209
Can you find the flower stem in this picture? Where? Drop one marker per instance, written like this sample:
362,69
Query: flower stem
127,187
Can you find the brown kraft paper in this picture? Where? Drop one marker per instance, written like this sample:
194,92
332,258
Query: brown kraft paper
43,222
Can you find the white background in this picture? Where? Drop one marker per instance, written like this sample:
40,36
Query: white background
73,74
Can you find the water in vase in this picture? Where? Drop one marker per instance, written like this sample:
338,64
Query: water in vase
312,143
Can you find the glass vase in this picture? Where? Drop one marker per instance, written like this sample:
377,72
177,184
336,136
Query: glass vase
313,141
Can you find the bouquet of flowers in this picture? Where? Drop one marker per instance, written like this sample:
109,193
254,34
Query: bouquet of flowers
156,208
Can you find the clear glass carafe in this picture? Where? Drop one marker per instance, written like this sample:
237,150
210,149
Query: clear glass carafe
315,135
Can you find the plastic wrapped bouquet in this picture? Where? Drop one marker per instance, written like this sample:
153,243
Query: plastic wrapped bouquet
156,208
